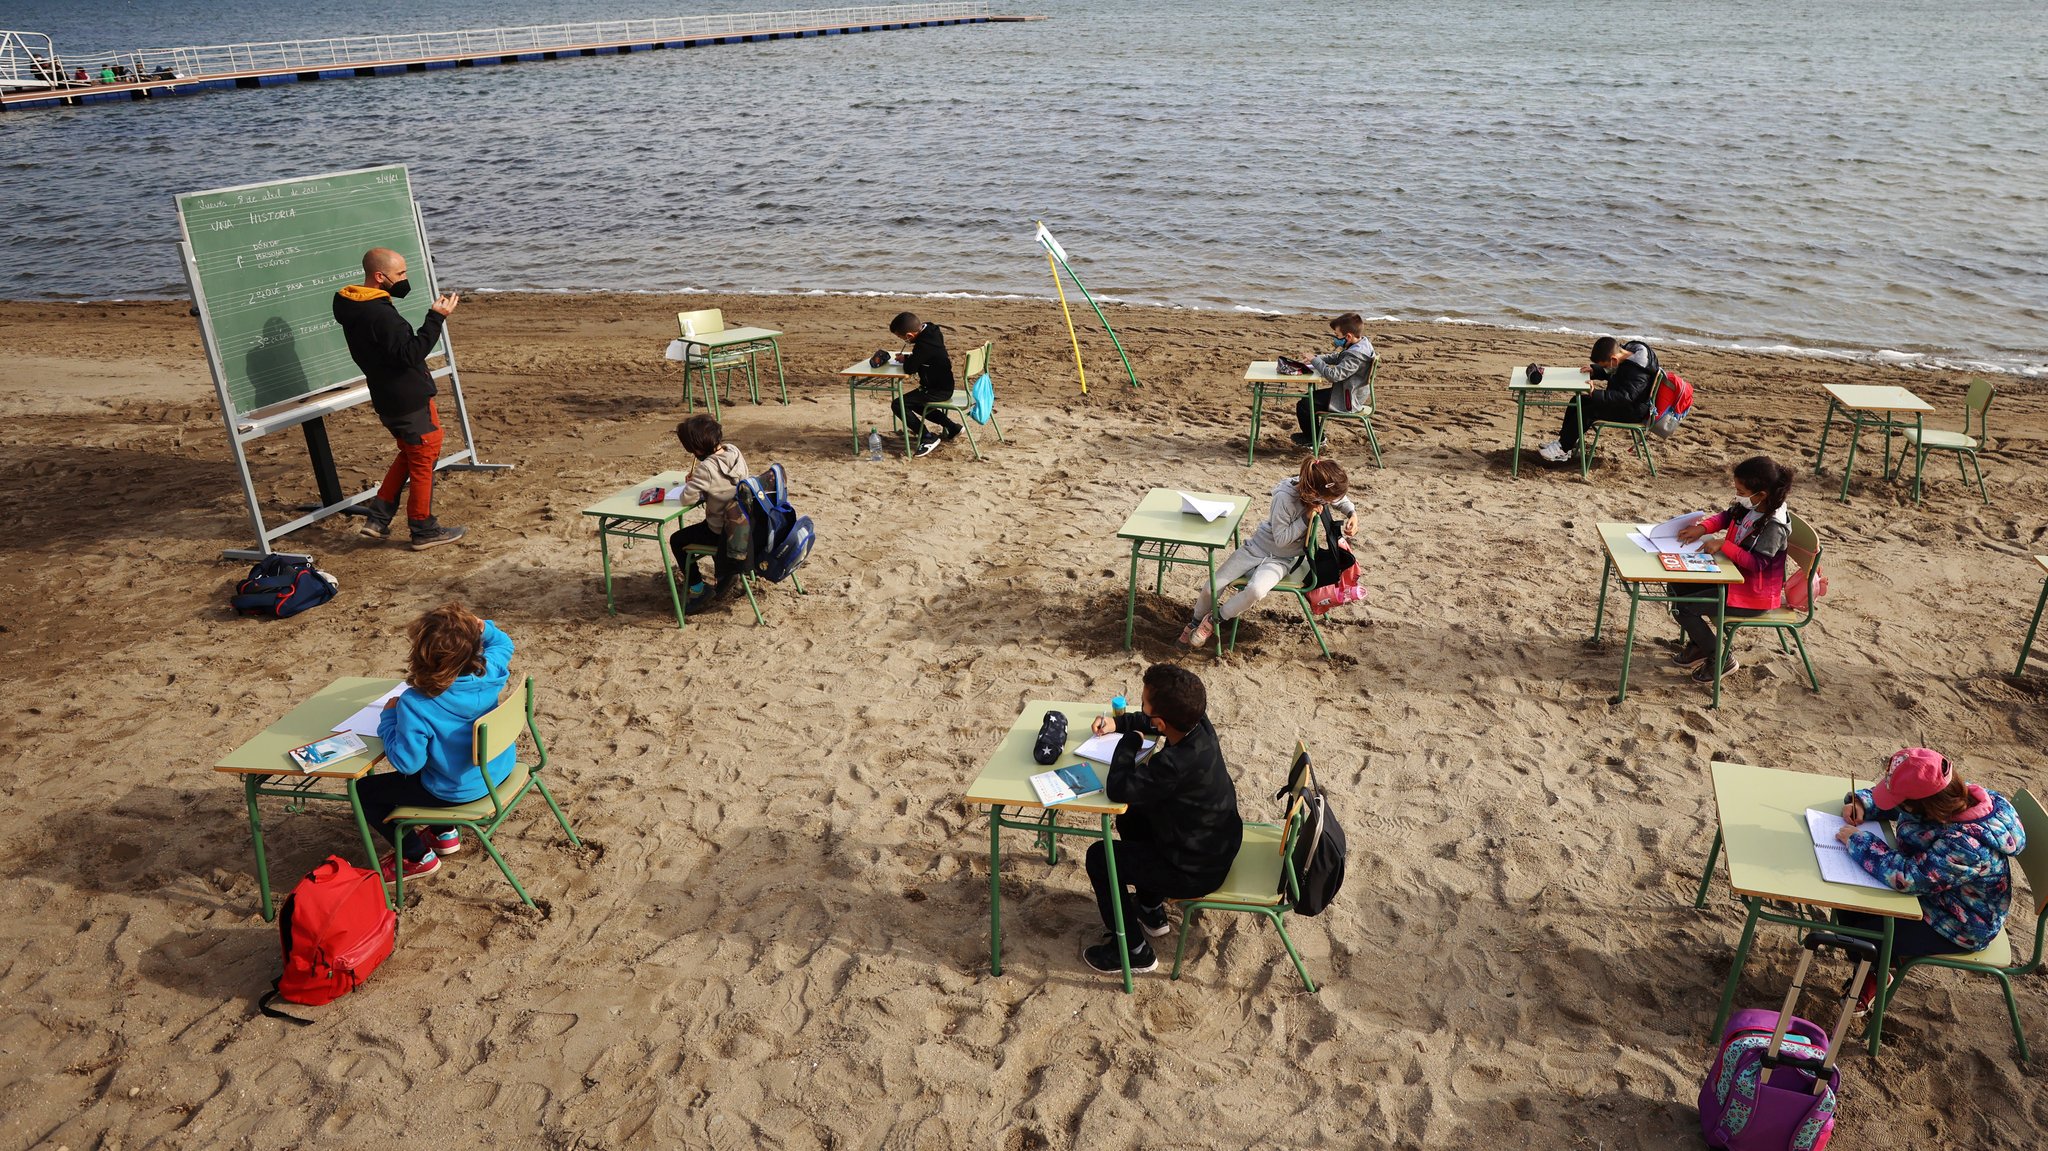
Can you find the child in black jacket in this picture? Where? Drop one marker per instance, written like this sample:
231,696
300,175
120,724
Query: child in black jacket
927,360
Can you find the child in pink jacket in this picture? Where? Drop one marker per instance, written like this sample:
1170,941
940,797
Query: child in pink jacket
1758,527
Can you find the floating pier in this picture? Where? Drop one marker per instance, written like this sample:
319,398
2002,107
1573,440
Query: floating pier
34,75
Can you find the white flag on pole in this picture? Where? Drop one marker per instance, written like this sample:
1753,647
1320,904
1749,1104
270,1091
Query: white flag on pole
1050,244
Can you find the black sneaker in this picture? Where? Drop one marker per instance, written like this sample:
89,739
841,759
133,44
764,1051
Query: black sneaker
929,444
1301,439
1102,957
430,533
952,430
377,517
1704,673
710,597
1153,920
1689,657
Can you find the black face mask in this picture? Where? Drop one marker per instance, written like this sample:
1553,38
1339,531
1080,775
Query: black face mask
400,289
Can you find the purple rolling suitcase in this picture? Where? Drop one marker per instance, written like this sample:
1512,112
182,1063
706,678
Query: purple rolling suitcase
1773,1083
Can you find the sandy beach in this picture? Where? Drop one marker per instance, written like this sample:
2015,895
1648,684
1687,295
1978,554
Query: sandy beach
776,933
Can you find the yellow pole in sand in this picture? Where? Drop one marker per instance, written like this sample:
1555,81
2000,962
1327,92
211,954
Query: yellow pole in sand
1056,286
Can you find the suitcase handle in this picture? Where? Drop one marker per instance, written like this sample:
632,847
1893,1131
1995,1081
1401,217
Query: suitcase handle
1849,945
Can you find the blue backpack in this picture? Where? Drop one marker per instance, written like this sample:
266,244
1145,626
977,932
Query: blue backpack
281,586
981,399
779,540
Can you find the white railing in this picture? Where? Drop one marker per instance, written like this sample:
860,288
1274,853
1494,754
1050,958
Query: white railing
361,51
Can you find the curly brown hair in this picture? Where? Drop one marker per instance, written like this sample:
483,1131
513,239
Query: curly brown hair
447,643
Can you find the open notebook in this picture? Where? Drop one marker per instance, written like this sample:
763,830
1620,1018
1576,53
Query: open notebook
1836,865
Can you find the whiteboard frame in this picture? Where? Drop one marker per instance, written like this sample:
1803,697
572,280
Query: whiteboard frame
243,427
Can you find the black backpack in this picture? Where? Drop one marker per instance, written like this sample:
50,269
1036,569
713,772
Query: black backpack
1333,557
1319,849
280,586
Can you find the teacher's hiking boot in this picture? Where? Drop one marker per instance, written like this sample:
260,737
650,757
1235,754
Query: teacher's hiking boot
1102,958
377,517
430,533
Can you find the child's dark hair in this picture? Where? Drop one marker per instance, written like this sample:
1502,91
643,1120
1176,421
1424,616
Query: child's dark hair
1350,323
1943,805
904,325
1177,696
1602,348
1768,478
447,643
700,436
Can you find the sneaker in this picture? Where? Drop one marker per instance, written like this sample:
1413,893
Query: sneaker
952,430
709,597
1200,632
1102,957
929,444
1153,920
1555,453
1689,657
414,868
431,533
445,842
1867,995
377,518
1301,439
1704,673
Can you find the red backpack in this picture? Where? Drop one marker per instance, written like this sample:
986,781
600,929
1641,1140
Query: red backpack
336,928
1672,400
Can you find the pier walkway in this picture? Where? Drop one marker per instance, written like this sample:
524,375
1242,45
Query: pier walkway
34,75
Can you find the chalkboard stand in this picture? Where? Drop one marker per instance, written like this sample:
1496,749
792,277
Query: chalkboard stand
324,475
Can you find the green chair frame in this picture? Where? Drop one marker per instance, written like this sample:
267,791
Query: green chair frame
708,363
1254,863
1294,583
493,733
1977,411
691,551
2034,864
1363,416
1805,550
1639,432
977,363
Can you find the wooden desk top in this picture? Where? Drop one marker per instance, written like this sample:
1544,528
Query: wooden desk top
1158,518
1769,850
311,720
1554,380
625,504
731,336
1875,398
1635,565
1006,781
1268,372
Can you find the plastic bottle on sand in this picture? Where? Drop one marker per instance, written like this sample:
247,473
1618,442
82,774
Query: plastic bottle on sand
874,445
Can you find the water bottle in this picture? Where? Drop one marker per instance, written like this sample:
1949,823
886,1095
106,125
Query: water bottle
874,445
1116,706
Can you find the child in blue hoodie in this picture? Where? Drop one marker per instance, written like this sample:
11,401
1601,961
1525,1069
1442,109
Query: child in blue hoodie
457,670
1956,843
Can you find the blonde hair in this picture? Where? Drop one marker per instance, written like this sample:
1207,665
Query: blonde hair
1322,480
447,643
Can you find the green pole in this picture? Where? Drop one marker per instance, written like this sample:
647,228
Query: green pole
1105,322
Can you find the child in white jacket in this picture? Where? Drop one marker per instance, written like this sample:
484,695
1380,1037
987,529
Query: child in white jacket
1278,545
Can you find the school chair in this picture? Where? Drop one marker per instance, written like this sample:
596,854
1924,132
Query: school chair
1804,549
1639,432
746,578
1996,959
1298,582
701,364
491,735
1976,410
963,397
1262,879
1363,416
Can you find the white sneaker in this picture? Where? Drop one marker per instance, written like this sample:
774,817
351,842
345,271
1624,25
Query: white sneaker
1555,453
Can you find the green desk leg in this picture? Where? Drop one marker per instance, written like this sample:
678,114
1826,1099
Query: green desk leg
1920,458
1600,610
1131,600
781,381
668,566
2026,646
995,891
1515,449
1699,898
250,783
1215,609
1116,902
896,406
604,551
1735,972
355,803
1628,642
1882,973
1825,426
1251,443
1315,423
1722,636
1849,465
853,411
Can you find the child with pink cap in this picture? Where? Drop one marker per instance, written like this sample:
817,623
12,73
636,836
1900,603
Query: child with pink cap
1956,843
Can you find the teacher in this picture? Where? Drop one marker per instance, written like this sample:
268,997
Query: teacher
393,359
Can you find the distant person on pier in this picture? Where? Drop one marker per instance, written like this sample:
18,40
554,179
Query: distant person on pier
393,358
107,74
81,77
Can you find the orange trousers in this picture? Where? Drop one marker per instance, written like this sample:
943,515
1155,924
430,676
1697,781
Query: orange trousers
415,462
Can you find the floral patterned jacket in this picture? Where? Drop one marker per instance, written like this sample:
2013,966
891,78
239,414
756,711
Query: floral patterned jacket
1961,870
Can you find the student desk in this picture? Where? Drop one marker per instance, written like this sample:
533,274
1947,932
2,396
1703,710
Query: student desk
1864,405
735,341
266,769
2027,645
1006,783
1770,857
621,514
1559,388
886,380
1158,529
1636,568
1267,382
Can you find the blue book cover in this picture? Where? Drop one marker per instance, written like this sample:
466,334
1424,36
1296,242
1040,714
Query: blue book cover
1064,783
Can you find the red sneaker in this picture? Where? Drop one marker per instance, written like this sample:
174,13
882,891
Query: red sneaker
444,842
414,869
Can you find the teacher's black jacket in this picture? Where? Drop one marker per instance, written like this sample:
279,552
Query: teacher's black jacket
392,356
1182,802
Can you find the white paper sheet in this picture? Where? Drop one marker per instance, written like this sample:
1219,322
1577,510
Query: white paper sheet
1664,537
364,722
1100,748
1210,510
1836,865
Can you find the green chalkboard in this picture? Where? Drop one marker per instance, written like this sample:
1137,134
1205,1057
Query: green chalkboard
268,260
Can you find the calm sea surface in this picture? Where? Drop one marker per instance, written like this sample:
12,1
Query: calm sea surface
1869,177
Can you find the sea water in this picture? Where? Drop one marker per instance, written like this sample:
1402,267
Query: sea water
1869,178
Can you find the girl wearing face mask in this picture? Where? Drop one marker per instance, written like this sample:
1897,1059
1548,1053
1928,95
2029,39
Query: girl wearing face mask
1758,528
